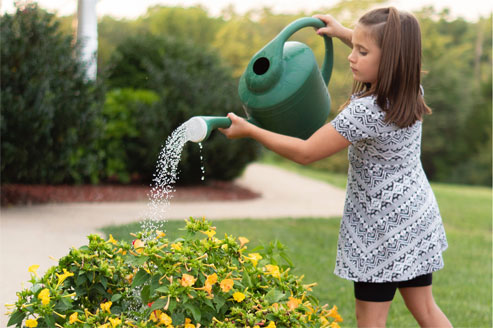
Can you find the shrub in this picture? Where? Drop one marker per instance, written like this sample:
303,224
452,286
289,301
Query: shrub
48,107
189,80
128,115
187,282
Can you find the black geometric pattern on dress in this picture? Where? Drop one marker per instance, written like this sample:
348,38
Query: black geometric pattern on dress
391,228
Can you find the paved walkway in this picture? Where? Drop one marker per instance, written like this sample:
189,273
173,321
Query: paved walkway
31,234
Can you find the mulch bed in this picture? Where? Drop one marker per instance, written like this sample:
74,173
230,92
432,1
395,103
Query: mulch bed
18,194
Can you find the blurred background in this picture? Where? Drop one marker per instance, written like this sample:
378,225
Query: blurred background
162,62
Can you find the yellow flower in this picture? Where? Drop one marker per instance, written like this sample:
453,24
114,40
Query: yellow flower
256,326
155,315
138,245
104,326
63,276
188,323
165,319
334,325
33,268
187,280
272,324
115,322
106,306
111,240
243,241
273,270
176,247
293,303
254,258
31,323
334,314
44,296
160,234
74,317
210,233
212,279
226,285
239,296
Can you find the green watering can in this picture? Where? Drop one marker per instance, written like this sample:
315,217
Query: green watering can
282,89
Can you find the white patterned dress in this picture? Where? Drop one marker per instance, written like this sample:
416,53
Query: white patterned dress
391,229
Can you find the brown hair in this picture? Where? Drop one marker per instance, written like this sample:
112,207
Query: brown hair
397,89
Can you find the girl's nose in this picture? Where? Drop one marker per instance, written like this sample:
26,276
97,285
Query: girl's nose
351,57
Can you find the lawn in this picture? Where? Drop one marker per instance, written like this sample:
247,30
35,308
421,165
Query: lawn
463,289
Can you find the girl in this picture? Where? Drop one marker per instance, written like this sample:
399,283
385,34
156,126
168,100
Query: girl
391,234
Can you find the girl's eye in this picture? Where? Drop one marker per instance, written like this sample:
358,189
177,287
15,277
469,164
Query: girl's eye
363,53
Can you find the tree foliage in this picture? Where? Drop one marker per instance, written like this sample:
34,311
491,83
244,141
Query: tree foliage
456,63
48,107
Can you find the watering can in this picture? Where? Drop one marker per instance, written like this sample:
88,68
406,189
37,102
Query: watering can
282,88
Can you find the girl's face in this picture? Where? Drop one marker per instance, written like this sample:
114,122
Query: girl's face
364,59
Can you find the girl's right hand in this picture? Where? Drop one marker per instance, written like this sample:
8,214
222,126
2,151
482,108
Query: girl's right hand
334,29
240,128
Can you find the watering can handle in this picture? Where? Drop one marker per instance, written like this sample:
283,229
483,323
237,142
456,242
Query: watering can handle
300,23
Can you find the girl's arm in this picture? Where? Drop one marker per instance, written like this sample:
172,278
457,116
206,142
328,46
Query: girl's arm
335,29
323,143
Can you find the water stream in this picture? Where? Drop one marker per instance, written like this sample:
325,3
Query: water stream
164,179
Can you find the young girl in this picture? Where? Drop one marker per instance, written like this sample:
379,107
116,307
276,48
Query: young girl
391,234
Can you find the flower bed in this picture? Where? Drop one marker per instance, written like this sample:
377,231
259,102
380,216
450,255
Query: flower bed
194,281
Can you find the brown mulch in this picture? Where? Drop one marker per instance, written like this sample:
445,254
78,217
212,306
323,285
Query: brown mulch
18,194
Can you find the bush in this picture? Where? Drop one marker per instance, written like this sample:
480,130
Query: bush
189,282
189,81
129,115
48,108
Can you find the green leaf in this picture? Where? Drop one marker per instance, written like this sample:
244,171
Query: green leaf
274,296
246,280
135,260
195,311
50,321
116,298
140,278
177,318
63,305
162,289
286,258
172,305
159,304
219,300
144,294
81,278
16,318
104,282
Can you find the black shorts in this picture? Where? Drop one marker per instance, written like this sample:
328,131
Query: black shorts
385,291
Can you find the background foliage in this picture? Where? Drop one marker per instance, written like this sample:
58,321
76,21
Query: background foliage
48,107
456,63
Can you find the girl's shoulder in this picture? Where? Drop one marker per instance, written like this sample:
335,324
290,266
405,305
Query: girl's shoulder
364,104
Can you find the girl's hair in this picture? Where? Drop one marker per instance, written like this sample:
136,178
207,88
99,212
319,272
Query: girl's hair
397,89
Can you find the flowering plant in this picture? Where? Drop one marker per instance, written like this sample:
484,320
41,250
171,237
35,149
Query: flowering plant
194,281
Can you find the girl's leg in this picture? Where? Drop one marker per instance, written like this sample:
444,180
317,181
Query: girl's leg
372,314
420,302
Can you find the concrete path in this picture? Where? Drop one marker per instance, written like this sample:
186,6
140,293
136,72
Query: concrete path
31,234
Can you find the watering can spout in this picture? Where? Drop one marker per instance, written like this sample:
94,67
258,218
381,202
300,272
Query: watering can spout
199,128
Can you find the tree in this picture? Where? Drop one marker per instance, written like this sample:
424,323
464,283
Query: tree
48,108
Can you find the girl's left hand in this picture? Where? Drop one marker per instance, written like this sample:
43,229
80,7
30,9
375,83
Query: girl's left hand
240,128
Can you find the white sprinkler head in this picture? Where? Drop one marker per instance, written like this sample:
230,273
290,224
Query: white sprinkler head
196,129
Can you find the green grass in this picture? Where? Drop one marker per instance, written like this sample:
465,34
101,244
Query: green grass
463,289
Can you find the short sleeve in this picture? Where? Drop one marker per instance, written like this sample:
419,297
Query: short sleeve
357,120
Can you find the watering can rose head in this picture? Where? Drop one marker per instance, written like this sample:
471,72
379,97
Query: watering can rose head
282,88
